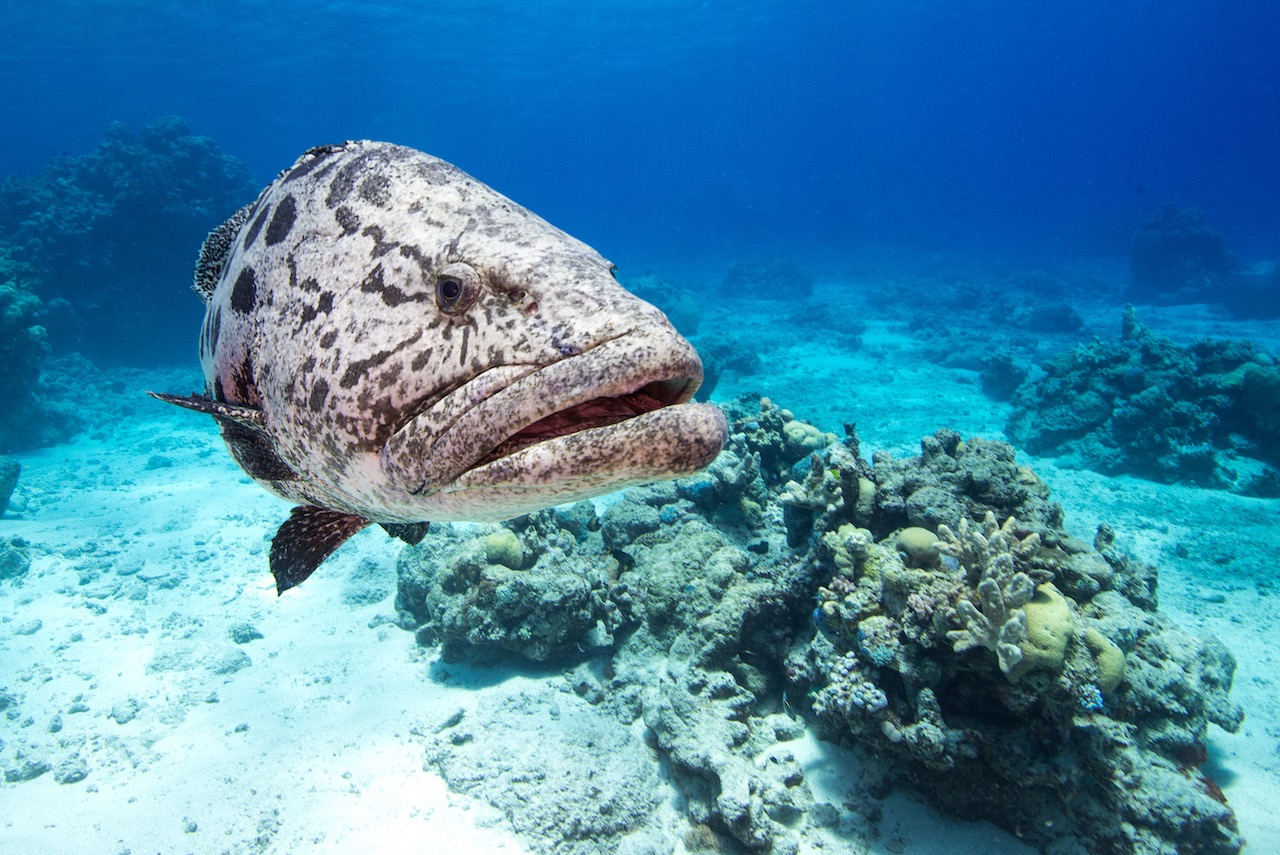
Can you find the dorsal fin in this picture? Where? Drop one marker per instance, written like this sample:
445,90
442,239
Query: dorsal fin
214,252
306,539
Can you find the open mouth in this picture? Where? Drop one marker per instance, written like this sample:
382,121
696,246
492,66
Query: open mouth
618,412
595,413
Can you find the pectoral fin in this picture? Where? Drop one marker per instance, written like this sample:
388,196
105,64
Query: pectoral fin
306,539
218,409
244,429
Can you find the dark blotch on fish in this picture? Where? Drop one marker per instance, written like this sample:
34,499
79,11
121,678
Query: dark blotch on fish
282,220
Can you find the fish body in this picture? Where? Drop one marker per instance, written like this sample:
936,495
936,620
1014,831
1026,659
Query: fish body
388,340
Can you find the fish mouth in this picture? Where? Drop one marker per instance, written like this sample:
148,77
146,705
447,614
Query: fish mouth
597,413
517,438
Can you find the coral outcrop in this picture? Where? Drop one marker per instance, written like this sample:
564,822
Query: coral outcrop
482,601
1009,675
23,347
110,237
1177,258
680,305
10,469
963,643
1204,414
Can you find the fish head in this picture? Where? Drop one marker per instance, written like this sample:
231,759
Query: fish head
423,348
556,383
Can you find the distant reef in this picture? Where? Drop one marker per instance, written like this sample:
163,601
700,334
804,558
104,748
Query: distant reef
1207,414
963,643
96,254
1177,257
108,239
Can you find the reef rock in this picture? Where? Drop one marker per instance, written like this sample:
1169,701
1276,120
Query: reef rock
23,347
1205,415
964,644
106,236
1020,676
462,592
1177,258
9,471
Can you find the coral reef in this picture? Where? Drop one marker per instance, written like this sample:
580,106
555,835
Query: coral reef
465,594
1255,293
1204,414
23,347
111,236
1009,674
1177,258
1020,313
680,305
963,642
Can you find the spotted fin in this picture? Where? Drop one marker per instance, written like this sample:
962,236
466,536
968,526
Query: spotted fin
306,539
218,409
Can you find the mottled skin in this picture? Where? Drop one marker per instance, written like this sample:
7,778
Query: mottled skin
379,323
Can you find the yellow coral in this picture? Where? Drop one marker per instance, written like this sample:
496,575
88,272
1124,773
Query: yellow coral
503,547
1109,658
801,437
920,545
852,550
1049,627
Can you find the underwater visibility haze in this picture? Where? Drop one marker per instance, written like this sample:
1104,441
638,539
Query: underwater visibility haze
935,348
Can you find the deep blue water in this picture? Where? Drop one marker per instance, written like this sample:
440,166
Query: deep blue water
666,131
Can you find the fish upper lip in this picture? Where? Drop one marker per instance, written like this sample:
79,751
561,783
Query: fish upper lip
497,378
666,370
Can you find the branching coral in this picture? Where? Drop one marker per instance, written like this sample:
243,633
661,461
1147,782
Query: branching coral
1000,624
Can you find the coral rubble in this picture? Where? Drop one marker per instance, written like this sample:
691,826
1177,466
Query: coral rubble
963,642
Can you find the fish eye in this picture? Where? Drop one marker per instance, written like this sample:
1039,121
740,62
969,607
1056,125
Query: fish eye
457,288
613,271
448,291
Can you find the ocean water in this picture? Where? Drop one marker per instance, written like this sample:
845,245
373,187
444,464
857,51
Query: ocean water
912,218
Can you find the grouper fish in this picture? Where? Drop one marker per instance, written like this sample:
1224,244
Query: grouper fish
387,340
